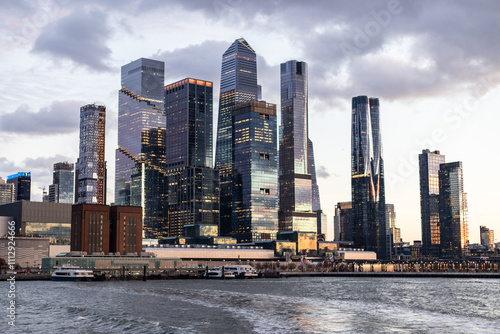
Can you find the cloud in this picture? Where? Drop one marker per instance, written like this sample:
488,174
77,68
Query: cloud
80,37
58,118
323,172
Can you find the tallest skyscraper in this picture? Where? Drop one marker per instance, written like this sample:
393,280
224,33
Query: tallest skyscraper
238,84
367,178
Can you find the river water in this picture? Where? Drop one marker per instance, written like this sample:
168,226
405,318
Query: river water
286,305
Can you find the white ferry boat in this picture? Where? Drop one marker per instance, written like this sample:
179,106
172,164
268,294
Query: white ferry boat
243,271
217,273
72,274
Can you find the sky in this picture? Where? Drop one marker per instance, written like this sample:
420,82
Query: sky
434,65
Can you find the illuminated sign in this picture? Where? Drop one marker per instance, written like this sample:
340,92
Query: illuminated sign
20,174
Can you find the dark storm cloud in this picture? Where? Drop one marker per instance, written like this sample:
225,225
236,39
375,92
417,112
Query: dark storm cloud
80,37
58,118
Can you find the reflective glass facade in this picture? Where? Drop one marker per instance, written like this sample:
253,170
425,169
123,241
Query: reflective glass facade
62,188
343,222
367,179
295,181
58,233
429,163
7,193
238,84
148,187
316,204
193,185
91,167
22,185
453,211
140,109
255,172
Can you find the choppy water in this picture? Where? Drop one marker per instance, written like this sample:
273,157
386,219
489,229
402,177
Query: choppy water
293,305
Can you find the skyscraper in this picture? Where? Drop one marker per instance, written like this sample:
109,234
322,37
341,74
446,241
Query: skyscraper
193,184
140,109
255,172
22,185
367,178
486,235
316,203
7,193
343,222
429,201
295,181
91,167
63,180
453,211
238,84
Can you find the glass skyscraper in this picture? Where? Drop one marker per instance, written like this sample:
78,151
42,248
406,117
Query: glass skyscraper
429,163
193,184
140,109
367,179
255,172
63,181
295,181
238,84
453,211
7,194
22,185
91,167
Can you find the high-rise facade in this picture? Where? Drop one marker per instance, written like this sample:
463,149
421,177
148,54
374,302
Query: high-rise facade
91,167
295,181
63,181
238,84
367,178
7,193
193,184
486,235
343,224
453,211
22,185
316,204
429,163
255,172
140,108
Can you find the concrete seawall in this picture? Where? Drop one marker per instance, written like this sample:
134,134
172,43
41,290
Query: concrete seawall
287,274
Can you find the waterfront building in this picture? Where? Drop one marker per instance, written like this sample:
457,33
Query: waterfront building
7,192
140,108
295,181
63,180
40,219
342,221
99,228
29,251
193,184
238,84
255,172
486,236
429,201
367,178
90,167
22,185
453,211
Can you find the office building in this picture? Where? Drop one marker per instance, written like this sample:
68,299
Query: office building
90,168
63,180
343,224
193,184
125,229
255,172
429,201
453,211
486,236
140,108
7,192
238,84
295,181
148,183
367,178
40,219
390,222
22,185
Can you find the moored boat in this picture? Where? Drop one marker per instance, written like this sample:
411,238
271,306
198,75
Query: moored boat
72,274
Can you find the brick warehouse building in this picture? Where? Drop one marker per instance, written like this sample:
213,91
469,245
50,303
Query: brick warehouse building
101,228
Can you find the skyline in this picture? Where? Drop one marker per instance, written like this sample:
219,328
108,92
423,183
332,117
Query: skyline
432,65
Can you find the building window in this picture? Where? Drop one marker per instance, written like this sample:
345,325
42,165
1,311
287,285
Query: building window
264,156
264,191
